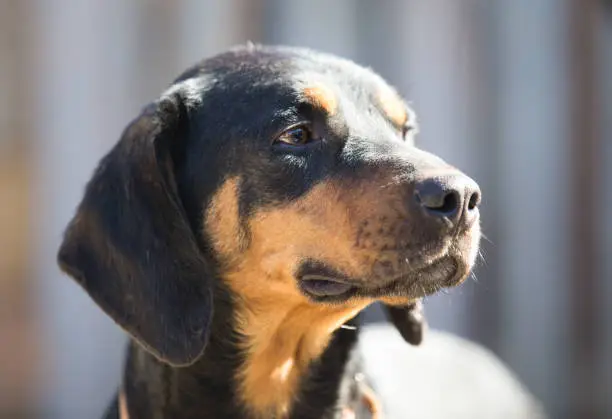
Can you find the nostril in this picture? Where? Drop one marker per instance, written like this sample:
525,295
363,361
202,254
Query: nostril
450,202
438,199
474,201
452,197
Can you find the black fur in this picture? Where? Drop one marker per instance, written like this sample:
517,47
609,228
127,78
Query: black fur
138,247
132,225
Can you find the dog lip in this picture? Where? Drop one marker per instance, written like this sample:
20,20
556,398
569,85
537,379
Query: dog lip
426,280
320,280
323,283
322,286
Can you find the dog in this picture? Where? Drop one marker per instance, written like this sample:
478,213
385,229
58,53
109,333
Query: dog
246,217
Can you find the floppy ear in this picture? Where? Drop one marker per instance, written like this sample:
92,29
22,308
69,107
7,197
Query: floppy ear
130,245
409,321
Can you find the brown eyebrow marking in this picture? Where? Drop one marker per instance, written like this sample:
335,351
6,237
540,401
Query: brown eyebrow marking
322,97
393,106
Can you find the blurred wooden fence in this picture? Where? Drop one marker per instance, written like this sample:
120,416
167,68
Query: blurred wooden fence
515,92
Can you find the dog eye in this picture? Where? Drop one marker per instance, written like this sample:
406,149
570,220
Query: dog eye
295,136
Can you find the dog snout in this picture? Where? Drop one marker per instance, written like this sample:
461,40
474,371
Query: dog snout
453,197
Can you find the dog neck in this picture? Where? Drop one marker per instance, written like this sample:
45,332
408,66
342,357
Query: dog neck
280,343
305,374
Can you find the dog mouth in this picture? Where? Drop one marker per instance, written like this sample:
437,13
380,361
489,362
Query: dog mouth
319,286
322,283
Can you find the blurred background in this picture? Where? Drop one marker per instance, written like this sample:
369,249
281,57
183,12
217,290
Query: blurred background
517,93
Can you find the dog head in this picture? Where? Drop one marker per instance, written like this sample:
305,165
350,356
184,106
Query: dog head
289,175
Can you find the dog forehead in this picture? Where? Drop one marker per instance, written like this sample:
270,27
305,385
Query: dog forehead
281,78
283,67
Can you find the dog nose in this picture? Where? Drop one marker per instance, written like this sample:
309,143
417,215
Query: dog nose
454,197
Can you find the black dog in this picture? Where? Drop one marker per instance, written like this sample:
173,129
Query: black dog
247,216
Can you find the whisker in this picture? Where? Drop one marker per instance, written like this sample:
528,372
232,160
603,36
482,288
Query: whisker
486,238
481,257
386,185
473,277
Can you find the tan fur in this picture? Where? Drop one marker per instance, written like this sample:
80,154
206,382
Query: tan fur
284,330
393,106
371,402
396,301
222,220
282,343
322,97
123,410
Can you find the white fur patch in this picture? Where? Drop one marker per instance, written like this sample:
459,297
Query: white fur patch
191,90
